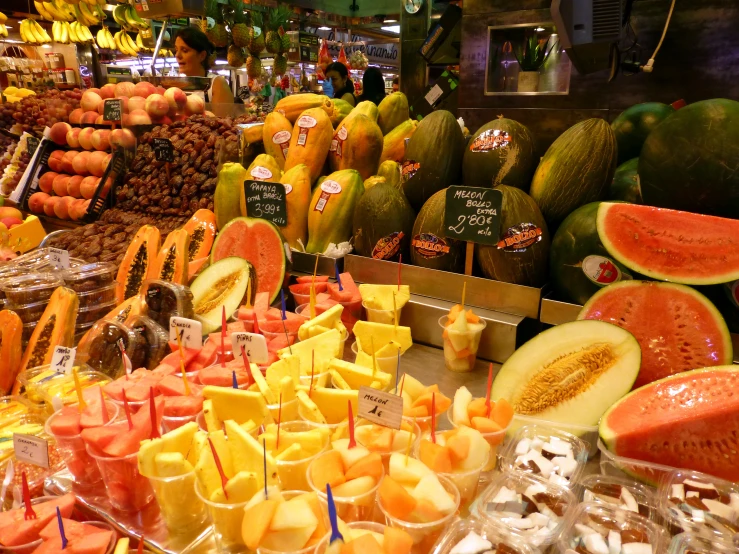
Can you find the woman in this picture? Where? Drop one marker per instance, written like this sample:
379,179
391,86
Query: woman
343,86
192,49
373,86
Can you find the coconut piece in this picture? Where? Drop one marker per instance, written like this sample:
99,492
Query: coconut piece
472,544
523,447
677,492
636,548
719,509
629,500
594,543
565,466
705,490
614,542
584,529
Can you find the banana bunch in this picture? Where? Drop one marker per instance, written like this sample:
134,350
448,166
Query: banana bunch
65,32
89,15
33,33
125,43
105,39
3,28
140,45
125,15
55,10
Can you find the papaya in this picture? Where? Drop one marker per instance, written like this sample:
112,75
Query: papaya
172,263
253,133
310,141
11,329
391,171
264,168
276,137
140,256
54,328
342,108
297,186
372,181
358,146
382,223
201,228
393,110
365,108
393,145
229,190
293,106
331,210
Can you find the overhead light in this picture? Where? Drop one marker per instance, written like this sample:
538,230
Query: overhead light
539,29
221,62
390,19
324,28
46,46
392,28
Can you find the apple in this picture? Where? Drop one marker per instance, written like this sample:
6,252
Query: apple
75,116
49,204
36,202
136,103
46,180
79,163
60,184
101,139
194,105
124,88
123,138
88,186
85,138
67,158
144,89
73,137
157,105
139,117
73,186
176,98
55,160
107,91
8,211
89,117
95,163
59,132
90,101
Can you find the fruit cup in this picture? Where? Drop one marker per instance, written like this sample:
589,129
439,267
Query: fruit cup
382,316
386,364
182,510
170,423
289,411
127,489
461,341
292,473
226,520
291,536
304,310
385,441
362,526
319,379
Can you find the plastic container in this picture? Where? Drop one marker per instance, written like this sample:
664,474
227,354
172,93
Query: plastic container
90,277
596,525
621,493
29,313
153,341
460,529
645,472
293,473
225,520
127,489
100,348
42,384
165,300
372,526
388,317
289,495
541,450
81,330
29,547
496,440
96,297
180,507
400,448
299,297
389,364
700,504
494,506
586,433
30,288
688,543
94,312
451,359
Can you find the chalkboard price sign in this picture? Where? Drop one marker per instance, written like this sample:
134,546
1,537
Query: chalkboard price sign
163,150
112,109
31,145
473,214
266,200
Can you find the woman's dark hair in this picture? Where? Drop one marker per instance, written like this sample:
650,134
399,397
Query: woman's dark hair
198,41
340,68
373,85
343,72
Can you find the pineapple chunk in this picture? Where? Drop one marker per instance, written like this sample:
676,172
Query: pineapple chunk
379,334
327,319
238,405
358,376
288,365
308,409
380,297
323,347
248,455
333,403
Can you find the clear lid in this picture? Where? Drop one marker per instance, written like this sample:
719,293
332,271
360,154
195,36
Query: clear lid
496,541
604,528
620,492
91,313
100,295
165,300
39,260
154,342
29,288
98,272
29,313
688,543
46,265
38,381
100,347
514,496
555,455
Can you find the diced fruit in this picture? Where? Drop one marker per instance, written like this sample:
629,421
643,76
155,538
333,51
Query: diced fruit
459,448
395,499
407,470
238,405
370,465
355,487
396,541
429,488
502,413
364,544
328,469
379,334
435,456
256,523
485,425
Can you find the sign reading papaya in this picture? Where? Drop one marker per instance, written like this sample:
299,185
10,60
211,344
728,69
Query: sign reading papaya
473,214
266,200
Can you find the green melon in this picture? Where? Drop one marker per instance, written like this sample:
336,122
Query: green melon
690,161
522,254
382,223
580,265
502,152
576,169
632,126
429,247
625,185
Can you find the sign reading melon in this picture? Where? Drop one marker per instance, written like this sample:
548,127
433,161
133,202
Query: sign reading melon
473,214
266,200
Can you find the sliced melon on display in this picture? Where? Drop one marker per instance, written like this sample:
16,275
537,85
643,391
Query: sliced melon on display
224,283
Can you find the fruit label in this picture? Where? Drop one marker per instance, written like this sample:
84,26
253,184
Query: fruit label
59,258
282,139
261,173
408,170
288,188
62,360
327,189
601,270
519,237
305,124
337,144
492,139
190,331
31,145
430,246
387,246
380,407
31,449
255,346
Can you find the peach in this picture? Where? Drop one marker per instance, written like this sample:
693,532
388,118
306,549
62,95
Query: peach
194,105
73,137
67,159
75,116
160,90
144,89
123,138
59,132
101,139
101,107
95,163
136,103
125,120
107,91
61,208
156,105
8,211
106,187
85,138
88,186
79,163
106,161
124,88
60,184
10,222
124,103
55,160
89,117
73,186
176,98
49,204
90,101
164,120
45,182
101,121
36,202
94,89
139,117
77,209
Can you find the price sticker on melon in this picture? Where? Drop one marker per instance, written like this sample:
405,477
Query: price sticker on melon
190,331
62,361
254,345
59,258
30,449
380,407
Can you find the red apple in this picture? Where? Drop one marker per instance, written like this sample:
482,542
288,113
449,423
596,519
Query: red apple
60,184
124,88
140,117
194,105
36,202
73,186
90,101
11,222
59,132
49,204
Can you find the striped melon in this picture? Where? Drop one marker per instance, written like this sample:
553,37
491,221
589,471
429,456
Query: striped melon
429,247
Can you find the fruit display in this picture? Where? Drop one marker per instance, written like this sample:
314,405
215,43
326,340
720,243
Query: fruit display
33,112
462,334
626,185
633,125
382,223
14,163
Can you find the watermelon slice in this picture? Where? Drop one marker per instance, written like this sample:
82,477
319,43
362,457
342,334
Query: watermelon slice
174,386
303,289
173,359
223,376
309,279
180,406
141,391
207,356
281,341
275,326
261,305
66,423
92,543
686,420
15,530
73,530
259,242
677,327
350,292
100,437
670,245
114,389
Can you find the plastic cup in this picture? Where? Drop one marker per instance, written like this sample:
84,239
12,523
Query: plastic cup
127,489
170,423
387,364
200,420
292,338
288,495
452,360
336,430
382,316
182,510
495,440
28,547
225,520
133,406
292,473
72,449
306,308
424,535
401,449
319,380
350,508
289,411
375,527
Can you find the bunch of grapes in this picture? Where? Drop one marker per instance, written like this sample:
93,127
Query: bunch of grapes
35,112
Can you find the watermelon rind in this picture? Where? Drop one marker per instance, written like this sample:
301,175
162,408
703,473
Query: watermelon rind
625,185
693,252
670,448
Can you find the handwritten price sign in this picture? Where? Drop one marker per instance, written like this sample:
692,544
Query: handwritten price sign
380,407
267,201
473,214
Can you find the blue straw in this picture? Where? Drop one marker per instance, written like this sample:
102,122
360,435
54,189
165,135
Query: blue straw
234,382
338,278
335,535
61,528
282,302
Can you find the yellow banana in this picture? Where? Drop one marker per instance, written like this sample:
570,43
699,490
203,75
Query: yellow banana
42,10
53,11
37,31
3,17
43,32
91,18
73,34
26,35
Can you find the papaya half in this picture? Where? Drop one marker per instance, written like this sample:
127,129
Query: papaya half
11,329
201,228
172,263
138,262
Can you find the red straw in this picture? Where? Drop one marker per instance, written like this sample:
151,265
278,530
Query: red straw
223,337
400,263
128,410
433,417
256,324
30,514
487,392
352,442
245,359
224,479
279,419
155,434
312,369
141,545
106,417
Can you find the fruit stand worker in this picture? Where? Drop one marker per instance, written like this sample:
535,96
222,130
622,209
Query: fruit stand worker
343,86
192,50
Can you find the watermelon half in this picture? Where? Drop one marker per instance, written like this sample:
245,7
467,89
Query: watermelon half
259,242
689,420
670,245
677,327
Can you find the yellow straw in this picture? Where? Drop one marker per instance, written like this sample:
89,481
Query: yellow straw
395,312
78,387
248,293
464,293
410,442
312,301
182,366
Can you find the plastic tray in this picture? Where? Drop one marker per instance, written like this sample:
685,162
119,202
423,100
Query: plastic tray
460,529
100,349
29,313
165,300
685,543
89,276
103,295
58,389
644,472
154,342
644,496
30,288
91,314
586,433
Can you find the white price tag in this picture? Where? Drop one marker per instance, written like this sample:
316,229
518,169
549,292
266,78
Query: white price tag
380,407
254,344
433,95
62,361
59,258
31,449
190,331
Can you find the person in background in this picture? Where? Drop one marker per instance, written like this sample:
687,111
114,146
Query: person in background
328,88
342,84
396,84
192,49
373,86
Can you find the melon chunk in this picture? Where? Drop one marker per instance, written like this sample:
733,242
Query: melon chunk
222,284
